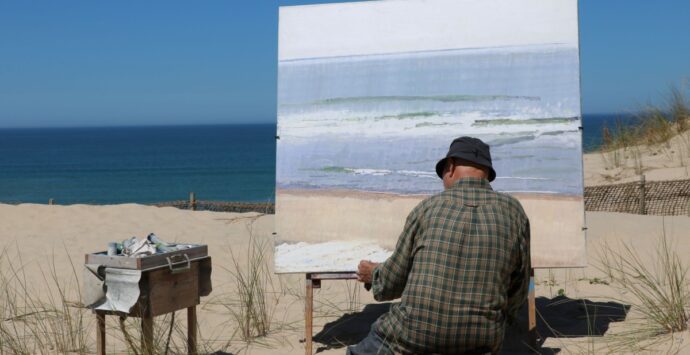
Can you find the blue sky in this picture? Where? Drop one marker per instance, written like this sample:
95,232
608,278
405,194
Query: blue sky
98,63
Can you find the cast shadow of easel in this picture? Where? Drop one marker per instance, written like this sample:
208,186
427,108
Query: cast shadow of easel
559,317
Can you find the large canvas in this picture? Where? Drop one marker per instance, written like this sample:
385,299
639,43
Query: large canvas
371,94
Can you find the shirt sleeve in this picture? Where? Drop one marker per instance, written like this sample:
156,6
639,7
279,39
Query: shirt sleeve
519,279
390,277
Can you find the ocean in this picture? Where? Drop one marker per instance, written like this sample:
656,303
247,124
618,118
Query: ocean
137,164
155,164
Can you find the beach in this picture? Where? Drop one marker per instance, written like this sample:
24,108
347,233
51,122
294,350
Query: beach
36,237
43,247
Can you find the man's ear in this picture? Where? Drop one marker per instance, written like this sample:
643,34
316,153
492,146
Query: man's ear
451,167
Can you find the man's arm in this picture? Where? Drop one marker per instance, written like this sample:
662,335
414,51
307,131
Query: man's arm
389,278
519,279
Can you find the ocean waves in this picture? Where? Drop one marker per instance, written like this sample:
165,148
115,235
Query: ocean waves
420,124
380,124
377,172
432,98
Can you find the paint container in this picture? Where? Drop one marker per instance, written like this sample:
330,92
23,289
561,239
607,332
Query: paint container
112,249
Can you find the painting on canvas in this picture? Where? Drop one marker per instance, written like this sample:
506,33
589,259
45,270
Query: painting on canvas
371,94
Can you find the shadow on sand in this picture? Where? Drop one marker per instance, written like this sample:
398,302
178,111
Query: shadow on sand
556,318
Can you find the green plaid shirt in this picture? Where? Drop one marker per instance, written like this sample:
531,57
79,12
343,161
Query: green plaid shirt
461,267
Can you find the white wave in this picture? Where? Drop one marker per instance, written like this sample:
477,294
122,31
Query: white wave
529,192
418,173
373,172
348,124
521,178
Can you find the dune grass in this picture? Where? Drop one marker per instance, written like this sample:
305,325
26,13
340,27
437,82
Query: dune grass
41,319
657,286
46,314
655,127
253,305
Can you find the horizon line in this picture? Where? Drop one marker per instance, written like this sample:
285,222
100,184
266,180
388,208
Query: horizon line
141,126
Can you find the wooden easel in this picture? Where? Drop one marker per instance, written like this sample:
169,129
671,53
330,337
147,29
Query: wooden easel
313,280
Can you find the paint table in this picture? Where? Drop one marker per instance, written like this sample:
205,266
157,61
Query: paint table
145,287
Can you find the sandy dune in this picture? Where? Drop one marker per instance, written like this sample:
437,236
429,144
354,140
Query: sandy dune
669,161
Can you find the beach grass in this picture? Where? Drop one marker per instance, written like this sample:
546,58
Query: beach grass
253,306
41,319
657,285
655,127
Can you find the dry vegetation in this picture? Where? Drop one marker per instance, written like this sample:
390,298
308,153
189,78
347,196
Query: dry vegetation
40,319
658,287
654,133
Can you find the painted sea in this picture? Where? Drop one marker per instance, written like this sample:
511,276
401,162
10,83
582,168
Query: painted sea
379,123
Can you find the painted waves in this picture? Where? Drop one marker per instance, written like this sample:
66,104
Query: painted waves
380,123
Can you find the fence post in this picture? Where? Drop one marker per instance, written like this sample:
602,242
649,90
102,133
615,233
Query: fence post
643,209
192,201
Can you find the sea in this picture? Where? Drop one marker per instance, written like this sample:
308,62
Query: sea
112,165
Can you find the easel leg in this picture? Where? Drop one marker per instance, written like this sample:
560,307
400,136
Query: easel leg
147,335
308,315
532,312
191,330
100,333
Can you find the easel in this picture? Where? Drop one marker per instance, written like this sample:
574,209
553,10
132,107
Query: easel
313,280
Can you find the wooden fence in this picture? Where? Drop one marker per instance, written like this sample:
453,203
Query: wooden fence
219,206
663,198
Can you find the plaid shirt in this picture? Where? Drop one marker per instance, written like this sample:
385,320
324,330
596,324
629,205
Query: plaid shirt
461,266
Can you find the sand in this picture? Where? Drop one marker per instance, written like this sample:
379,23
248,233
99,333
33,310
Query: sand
43,234
668,161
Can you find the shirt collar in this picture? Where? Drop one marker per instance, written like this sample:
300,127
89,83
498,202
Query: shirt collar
472,182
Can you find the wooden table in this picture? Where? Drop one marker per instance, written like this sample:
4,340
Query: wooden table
164,290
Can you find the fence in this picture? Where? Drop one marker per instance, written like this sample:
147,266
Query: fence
664,198
219,206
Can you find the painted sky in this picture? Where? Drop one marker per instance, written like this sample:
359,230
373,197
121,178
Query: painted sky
85,63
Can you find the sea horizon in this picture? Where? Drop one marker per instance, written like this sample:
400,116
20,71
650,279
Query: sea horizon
211,160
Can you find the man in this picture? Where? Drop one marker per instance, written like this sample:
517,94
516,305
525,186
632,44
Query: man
461,265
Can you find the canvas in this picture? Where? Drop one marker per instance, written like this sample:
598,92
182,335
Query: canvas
371,94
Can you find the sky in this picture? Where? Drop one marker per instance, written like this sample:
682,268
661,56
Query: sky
114,63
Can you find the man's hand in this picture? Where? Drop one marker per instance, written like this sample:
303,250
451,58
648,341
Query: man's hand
365,271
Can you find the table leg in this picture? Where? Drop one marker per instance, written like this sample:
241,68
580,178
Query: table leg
191,330
100,333
147,335
308,315
532,313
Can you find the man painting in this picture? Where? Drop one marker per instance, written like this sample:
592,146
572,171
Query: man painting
461,265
